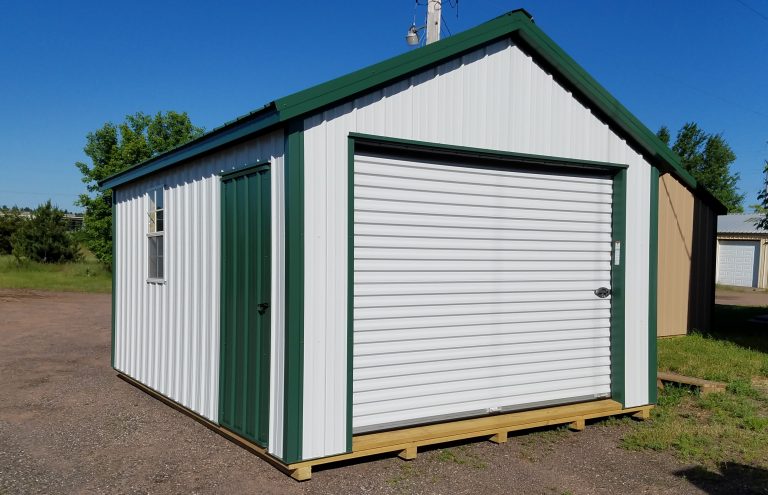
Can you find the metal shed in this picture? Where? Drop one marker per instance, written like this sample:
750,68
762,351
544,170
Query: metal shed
457,242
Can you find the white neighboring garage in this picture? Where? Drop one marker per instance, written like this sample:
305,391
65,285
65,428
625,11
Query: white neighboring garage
741,249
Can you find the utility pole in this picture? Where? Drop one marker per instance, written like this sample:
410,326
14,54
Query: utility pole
434,11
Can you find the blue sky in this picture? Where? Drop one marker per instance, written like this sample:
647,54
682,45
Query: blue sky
68,67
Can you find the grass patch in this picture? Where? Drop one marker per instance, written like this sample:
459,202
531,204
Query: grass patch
711,358
87,275
461,456
720,428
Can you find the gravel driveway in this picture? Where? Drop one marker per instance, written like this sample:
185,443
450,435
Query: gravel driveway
69,425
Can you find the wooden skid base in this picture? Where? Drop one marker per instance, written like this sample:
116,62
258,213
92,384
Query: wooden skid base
495,428
405,442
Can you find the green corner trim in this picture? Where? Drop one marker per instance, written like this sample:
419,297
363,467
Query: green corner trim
619,230
114,279
653,282
350,283
293,383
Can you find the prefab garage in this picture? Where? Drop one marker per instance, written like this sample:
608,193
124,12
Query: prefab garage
741,251
461,238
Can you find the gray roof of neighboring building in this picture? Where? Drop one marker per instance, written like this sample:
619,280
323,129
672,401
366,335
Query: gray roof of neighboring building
739,224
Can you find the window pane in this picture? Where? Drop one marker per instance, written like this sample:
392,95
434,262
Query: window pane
152,222
159,221
152,245
159,199
160,250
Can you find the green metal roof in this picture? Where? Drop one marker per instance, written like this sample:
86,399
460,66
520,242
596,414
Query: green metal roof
517,24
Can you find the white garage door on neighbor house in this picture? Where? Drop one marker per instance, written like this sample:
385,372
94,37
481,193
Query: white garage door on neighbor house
738,263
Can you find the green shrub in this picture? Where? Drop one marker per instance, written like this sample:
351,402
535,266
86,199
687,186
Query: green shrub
10,221
44,237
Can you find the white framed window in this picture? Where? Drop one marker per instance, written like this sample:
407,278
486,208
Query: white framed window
156,236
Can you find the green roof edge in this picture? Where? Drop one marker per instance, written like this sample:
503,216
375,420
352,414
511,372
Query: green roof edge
348,86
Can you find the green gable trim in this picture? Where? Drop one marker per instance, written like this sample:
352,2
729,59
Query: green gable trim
653,282
364,80
293,381
224,136
651,145
517,24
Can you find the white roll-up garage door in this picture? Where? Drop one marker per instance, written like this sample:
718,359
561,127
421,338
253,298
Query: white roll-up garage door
474,290
738,263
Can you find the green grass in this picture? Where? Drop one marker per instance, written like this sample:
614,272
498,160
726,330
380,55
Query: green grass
460,455
83,276
711,358
719,428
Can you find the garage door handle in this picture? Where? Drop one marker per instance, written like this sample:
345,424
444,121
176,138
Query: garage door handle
262,307
603,292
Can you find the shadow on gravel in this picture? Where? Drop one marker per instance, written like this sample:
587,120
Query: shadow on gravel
729,478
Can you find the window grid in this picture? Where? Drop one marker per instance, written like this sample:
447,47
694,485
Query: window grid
155,236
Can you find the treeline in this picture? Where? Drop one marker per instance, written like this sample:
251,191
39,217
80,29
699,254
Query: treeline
42,236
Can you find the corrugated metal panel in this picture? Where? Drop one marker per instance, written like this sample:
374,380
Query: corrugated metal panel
245,318
739,224
686,259
702,285
453,329
167,335
495,98
676,204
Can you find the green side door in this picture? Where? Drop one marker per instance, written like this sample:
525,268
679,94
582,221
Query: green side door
245,298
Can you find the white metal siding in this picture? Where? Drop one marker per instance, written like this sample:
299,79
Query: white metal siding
738,263
495,98
167,335
489,339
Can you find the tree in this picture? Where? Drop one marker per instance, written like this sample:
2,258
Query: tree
113,148
762,208
44,237
10,221
708,158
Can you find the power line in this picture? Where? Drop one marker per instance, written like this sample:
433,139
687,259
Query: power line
754,11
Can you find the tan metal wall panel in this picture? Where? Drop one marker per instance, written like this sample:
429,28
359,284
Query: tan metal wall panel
676,207
686,281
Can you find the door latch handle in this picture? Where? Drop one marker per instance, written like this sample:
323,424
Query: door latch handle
262,307
603,292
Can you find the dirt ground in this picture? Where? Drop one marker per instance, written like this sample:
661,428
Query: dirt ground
741,297
69,425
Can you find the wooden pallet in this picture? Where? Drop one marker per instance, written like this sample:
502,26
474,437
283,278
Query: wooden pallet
706,386
406,441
